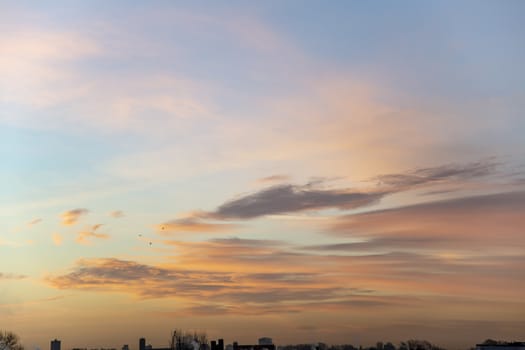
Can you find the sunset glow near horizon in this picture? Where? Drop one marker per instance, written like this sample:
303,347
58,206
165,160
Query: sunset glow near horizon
339,171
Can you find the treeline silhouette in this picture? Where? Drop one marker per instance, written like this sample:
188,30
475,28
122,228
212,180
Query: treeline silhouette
412,344
190,340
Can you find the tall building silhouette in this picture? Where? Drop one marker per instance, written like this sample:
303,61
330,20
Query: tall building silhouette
55,344
144,346
217,345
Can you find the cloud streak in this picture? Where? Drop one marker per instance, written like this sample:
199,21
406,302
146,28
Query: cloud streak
274,178
11,276
278,199
393,280
34,222
227,289
193,224
467,223
110,274
425,176
291,198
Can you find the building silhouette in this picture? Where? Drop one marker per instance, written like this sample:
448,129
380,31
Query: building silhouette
265,341
501,346
55,344
237,346
144,346
217,345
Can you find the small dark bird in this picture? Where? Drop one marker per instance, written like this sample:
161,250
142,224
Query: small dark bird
150,244
140,235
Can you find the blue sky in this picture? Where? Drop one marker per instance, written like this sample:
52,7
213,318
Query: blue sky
360,163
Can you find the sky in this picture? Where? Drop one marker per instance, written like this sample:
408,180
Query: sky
342,171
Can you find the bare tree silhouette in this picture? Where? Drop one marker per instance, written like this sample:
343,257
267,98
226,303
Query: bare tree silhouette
184,340
10,341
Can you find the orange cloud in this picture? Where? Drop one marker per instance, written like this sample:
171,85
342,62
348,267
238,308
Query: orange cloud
314,196
274,178
57,239
221,289
83,237
232,273
489,222
193,224
71,217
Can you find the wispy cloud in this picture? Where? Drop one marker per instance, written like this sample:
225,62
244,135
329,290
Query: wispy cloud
393,280
116,214
11,276
235,254
461,225
274,178
142,280
283,199
84,237
425,176
57,239
218,287
37,62
278,199
246,242
34,222
193,224
289,198
71,217
381,244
